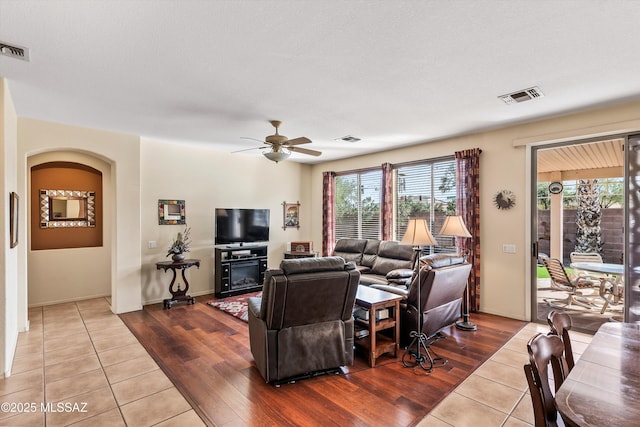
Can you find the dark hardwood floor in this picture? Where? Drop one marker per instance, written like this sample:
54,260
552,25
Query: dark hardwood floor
206,354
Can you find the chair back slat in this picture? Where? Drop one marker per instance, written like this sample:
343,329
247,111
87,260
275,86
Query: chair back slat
560,324
585,257
545,350
557,272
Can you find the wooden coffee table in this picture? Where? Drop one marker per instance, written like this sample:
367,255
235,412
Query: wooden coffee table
376,344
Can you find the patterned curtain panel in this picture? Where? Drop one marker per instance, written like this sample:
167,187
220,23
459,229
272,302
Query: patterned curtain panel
468,206
387,202
328,217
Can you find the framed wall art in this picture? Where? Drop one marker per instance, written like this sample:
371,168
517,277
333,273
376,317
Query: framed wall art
171,212
13,218
291,215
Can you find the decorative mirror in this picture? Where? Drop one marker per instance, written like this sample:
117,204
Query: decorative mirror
67,208
171,212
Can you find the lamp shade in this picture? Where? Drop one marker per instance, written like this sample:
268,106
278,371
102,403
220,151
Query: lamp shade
418,233
454,226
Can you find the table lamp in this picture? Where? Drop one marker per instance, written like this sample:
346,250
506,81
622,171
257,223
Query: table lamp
454,226
417,235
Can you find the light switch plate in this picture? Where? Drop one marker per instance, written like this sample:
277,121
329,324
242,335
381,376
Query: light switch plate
509,249
151,244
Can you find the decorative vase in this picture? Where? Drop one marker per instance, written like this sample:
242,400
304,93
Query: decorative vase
177,257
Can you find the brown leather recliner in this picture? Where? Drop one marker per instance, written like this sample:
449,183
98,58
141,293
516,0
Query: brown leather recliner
443,280
303,323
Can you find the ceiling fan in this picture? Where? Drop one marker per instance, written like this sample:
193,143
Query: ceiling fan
281,146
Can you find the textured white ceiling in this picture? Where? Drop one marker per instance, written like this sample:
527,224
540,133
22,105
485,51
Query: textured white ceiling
390,72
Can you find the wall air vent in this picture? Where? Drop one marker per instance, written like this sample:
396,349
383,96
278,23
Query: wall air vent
348,138
14,51
522,95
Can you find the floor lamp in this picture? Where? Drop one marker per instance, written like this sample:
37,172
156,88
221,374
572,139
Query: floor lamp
454,226
418,235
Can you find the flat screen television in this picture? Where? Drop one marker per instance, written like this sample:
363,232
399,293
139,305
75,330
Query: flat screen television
236,225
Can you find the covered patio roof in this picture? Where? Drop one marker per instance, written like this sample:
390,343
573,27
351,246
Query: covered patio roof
602,159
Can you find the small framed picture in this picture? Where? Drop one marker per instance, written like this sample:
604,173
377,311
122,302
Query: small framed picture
291,215
171,212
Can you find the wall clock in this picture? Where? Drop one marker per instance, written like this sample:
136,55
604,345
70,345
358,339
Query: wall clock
555,188
504,199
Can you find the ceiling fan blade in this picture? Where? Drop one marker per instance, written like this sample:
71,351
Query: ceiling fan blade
298,141
305,151
253,139
248,149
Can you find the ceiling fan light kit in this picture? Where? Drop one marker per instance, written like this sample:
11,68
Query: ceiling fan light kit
281,146
277,156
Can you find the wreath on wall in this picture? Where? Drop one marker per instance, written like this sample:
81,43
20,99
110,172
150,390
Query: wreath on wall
504,199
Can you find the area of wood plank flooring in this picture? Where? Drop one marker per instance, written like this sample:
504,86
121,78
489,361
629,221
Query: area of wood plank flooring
206,354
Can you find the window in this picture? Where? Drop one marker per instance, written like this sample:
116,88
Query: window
426,190
357,205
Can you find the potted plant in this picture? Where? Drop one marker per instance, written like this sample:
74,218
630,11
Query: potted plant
180,245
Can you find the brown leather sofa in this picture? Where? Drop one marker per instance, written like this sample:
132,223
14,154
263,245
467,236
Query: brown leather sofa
303,324
381,262
443,279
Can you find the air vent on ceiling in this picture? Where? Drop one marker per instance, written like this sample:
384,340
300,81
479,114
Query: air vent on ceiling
522,95
348,138
14,51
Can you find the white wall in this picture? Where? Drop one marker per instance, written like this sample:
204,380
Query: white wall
13,316
505,283
61,275
208,179
122,197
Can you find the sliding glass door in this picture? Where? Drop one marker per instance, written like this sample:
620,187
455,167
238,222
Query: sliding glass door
632,224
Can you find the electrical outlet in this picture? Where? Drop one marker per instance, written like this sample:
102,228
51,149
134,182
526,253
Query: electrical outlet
509,249
151,244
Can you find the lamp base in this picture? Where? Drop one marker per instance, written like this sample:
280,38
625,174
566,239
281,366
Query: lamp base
413,357
467,326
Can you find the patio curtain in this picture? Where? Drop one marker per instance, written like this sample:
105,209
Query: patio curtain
328,217
468,206
386,202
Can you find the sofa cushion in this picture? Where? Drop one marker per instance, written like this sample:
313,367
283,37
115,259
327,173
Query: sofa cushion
350,249
391,256
373,279
370,253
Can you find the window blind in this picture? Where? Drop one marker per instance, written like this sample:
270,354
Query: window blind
357,205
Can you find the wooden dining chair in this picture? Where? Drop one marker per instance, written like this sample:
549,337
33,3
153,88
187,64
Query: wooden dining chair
560,281
560,324
545,350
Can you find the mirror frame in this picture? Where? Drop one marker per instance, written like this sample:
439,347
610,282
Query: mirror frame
46,221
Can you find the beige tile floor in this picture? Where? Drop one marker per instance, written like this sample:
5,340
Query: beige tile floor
77,353
80,352
497,394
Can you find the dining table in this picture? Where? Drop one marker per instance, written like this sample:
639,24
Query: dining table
611,285
603,388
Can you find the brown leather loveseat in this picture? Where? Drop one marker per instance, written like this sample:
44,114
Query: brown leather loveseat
303,324
381,262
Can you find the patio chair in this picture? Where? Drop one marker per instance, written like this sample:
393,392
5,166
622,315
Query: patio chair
560,281
584,257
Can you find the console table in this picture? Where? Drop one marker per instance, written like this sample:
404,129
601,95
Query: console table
178,294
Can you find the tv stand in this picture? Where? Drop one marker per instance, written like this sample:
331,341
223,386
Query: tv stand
239,269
